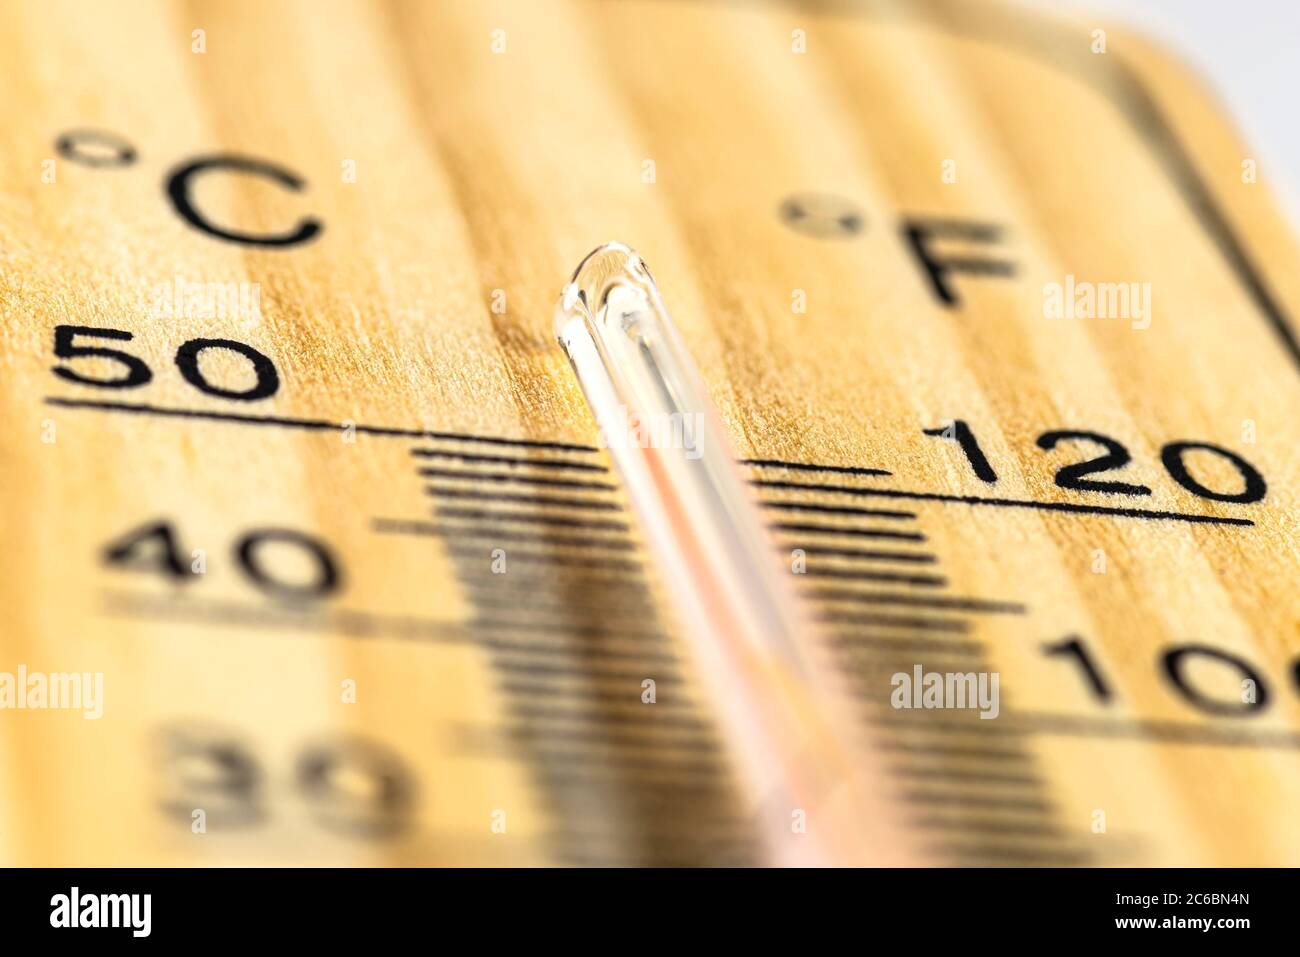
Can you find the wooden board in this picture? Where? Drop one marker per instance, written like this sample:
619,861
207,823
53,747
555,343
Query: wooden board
777,165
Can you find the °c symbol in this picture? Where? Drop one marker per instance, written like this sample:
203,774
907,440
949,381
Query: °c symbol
822,216
179,184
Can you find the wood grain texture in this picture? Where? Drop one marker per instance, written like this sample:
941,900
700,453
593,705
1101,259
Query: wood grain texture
486,176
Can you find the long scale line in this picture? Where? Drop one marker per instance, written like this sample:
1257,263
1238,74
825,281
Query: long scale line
1075,507
141,408
319,425
361,624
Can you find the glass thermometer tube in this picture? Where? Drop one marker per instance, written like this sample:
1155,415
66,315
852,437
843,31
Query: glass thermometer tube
813,795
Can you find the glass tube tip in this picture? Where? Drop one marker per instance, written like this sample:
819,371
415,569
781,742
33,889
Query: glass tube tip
610,266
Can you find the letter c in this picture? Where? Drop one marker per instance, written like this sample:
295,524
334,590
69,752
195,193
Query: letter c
178,188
